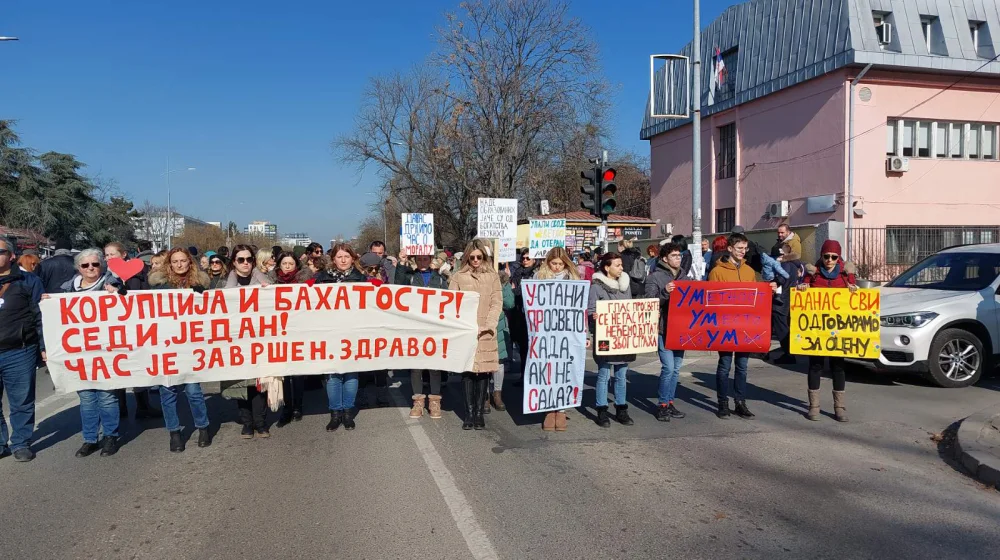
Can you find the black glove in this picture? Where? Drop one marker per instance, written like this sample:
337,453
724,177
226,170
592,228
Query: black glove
122,290
198,289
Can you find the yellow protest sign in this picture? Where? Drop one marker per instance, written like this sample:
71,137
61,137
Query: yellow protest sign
626,326
835,322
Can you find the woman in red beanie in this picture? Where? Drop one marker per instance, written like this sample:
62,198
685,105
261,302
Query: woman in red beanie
830,272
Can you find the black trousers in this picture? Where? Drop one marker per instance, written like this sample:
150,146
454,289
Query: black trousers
779,324
836,372
253,410
294,387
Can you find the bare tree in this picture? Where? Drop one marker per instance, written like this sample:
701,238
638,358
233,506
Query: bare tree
153,225
486,117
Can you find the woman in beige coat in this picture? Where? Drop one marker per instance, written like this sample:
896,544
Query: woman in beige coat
477,274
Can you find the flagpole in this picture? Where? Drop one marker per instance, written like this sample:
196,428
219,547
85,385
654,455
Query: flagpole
697,261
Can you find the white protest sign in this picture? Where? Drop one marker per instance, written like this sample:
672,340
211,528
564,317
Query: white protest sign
506,250
416,235
497,218
169,337
626,326
556,313
544,235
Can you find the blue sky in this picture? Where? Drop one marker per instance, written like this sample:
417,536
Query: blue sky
252,93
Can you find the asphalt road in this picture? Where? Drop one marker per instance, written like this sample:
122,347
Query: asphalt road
775,487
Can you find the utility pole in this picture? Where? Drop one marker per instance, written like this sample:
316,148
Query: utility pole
696,258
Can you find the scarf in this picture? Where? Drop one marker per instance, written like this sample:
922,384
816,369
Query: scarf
339,276
287,277
830,274
561,276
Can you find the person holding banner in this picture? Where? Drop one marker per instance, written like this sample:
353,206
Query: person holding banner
21,341
734,266
180,273
218,272
660,284
830,272
478,275
341,388
97,408
288,271
419,272
610,283
558,265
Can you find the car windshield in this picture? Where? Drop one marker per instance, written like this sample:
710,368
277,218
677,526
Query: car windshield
951,271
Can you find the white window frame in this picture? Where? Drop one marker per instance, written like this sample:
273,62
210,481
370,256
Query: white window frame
927,27
954,132
974,28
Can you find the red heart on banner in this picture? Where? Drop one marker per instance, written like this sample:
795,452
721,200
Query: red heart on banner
125,269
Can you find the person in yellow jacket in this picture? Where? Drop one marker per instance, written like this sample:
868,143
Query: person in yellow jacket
733,267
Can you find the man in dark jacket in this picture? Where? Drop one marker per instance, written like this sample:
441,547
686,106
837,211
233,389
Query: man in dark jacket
780,328
515,318
57,269
629,255
660,284
20,342
422,275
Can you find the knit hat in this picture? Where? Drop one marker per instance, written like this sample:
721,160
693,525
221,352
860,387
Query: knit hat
831,246
210,254
193,250
369,260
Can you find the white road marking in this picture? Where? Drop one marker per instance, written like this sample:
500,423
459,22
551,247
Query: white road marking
461,512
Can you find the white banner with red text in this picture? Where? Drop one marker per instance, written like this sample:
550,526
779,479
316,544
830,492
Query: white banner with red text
170,337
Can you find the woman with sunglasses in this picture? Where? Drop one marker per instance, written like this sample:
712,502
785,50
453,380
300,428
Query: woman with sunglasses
265,261
558,266
97,408
830,272
251,402
476,274
288,272
181,273
218,272
341,388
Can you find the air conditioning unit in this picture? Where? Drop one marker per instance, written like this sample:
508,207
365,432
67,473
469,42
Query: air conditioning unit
884,33
897,164
777,209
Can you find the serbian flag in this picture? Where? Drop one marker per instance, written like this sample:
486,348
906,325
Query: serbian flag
718,75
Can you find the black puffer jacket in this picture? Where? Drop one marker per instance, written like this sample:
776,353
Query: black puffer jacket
406,276
20,318
335,277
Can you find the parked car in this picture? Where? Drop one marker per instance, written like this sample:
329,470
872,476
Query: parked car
942,316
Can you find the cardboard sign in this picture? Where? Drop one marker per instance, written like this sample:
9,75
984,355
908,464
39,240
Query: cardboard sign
506,250
835,322
556,312
545,235
417,234
720,317
169,337
626,326
497,218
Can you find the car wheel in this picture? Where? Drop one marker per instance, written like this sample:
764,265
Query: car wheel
955,358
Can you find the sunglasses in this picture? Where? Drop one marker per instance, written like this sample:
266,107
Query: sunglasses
830,257
88,265
244,260
216,262
475,257
525,258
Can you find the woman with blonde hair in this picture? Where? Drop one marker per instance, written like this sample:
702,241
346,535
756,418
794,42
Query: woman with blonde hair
476,274
265,260
557,266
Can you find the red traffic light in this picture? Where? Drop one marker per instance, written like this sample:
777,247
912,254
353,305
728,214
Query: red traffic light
609,174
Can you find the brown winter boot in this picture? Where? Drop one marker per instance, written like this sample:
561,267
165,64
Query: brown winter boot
813,405
561,422
498,401
549,424
839,406
434,406
418,406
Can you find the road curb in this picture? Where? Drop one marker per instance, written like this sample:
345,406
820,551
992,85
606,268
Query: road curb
973,448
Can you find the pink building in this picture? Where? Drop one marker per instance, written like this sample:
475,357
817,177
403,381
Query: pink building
775,144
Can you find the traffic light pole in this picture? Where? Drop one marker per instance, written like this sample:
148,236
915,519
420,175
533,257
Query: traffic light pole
697,262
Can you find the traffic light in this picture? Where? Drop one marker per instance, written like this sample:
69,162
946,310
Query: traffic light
608,190
591,196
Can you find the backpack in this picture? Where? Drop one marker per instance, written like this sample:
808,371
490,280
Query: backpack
640,268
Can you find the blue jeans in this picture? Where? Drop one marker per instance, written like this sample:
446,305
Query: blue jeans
722,375
97,409
603,376
670,368
17,377
341,390
196,400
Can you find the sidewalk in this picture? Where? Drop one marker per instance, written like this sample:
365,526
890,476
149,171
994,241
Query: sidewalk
978,445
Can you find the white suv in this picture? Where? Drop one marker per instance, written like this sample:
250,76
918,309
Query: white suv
942,316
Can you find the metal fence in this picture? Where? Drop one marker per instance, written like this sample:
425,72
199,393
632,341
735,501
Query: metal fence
883,253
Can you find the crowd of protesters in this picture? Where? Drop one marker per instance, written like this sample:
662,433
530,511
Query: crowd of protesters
502,337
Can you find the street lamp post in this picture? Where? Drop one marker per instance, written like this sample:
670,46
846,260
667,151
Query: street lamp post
170,214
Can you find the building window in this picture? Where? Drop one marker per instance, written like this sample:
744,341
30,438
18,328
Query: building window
974,29
890,138
883,29
725,165
923,139
725,219
939,139
927,27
